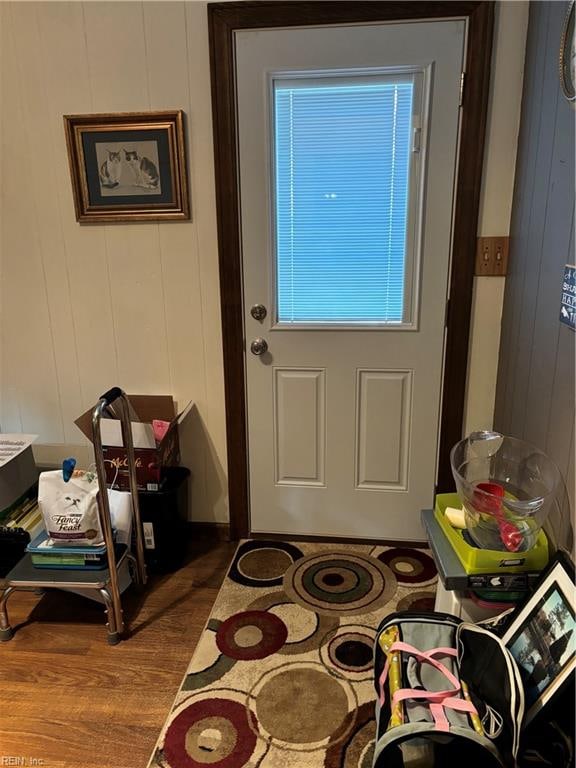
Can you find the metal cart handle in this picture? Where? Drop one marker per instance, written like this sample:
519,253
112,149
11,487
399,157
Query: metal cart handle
104,402
111,395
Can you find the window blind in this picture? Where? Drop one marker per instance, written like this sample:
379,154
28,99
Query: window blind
342,162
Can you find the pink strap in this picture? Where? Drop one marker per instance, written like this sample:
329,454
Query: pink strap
382,680
426,656
437,704
417,693
439,700
437,710
440,720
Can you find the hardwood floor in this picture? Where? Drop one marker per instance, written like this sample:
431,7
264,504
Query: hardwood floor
69,700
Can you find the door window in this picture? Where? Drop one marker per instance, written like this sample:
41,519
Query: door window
345,190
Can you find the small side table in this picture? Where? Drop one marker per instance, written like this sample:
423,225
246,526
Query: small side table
451,592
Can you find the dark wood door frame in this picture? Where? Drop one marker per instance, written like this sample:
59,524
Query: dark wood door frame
223,20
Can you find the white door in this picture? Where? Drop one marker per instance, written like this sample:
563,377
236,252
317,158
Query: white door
347,145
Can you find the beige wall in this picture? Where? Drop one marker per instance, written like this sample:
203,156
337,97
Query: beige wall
496,206
86,307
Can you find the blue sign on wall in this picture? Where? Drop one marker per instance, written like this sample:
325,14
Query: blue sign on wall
568,306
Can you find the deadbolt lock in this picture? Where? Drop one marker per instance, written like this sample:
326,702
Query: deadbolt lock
258,312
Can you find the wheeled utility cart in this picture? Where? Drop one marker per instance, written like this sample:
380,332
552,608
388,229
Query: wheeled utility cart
124,565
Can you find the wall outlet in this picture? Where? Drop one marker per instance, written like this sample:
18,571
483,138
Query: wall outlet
492,256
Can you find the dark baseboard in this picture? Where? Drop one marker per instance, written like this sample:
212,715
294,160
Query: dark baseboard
221,532
340,540
218,531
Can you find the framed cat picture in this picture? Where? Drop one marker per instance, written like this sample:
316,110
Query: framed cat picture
128,166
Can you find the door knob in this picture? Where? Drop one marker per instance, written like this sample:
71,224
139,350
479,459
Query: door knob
259,346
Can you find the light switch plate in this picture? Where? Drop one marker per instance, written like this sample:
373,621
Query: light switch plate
492,256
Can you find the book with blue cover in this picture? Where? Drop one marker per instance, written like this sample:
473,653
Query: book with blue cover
46,553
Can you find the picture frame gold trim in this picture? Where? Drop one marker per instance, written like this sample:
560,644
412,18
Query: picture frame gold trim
89,206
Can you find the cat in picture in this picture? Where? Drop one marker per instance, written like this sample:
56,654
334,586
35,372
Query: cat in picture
144,170
111,170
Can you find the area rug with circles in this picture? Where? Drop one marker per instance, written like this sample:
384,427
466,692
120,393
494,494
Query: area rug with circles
282,675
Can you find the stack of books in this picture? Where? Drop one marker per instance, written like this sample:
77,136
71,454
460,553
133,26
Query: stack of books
26,515
46,553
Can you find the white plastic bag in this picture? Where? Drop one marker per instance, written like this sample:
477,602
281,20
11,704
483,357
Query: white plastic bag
120,503
70,510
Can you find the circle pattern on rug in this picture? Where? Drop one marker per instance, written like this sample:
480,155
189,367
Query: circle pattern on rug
357,751
306,629
340,583
410,566
212,731
418,601
251,635
301,707
203,677
349,650
263,563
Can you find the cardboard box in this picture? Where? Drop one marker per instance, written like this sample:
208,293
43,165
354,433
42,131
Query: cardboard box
17,476
151,458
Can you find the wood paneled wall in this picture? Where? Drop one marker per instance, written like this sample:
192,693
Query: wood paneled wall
535,392
87,307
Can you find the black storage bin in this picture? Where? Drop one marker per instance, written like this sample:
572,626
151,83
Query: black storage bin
164,515
13,542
